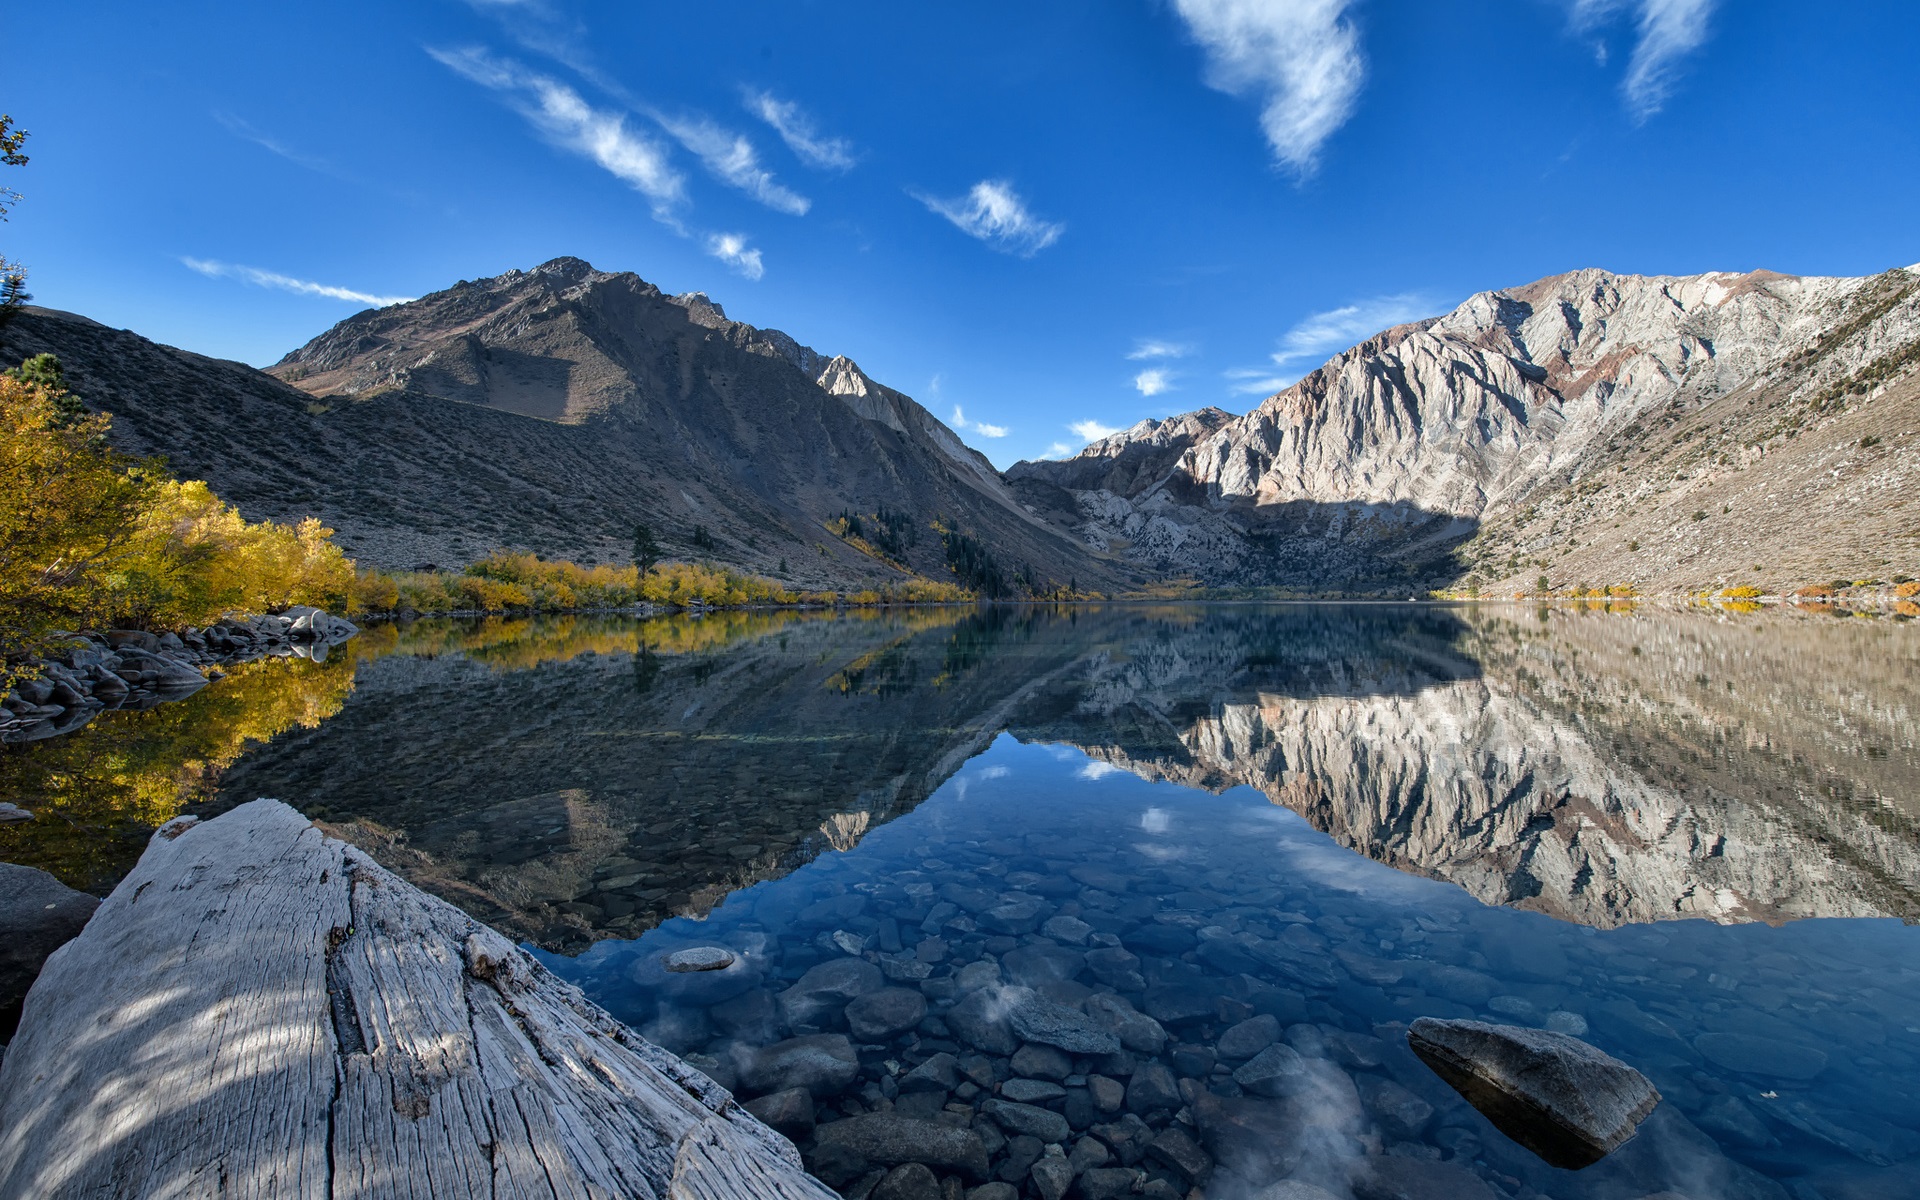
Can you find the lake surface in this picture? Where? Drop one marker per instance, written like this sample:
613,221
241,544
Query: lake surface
1691,837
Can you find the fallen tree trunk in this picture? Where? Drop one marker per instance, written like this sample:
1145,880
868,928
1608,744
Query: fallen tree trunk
262,1011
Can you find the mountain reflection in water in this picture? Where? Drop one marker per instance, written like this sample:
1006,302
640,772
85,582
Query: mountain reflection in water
573,778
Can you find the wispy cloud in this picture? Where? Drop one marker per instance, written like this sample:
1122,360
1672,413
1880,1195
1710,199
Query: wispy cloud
732,249
797,130
1097,770
1061,450
1093,431
732,159
569,122
1256,381
995,214
244,130
1665,32
1153,381
214,269
980,427
1337,328
1151,348
1322,333
1299,58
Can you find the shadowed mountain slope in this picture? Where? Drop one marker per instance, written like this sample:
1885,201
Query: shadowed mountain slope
551,410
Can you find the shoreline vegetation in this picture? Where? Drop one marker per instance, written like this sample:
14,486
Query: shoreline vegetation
92,538
95,539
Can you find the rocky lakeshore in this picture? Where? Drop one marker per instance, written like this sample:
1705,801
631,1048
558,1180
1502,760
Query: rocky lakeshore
131,668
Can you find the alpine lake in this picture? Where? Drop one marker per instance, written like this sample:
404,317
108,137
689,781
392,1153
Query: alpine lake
1687,835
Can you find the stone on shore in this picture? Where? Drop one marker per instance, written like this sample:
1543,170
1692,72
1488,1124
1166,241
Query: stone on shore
1569,1102
38,915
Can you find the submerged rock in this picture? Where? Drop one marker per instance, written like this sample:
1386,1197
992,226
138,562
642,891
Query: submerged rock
38,915
700,958
1567,1101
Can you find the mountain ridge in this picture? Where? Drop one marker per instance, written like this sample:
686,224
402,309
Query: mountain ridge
552,410
1446,438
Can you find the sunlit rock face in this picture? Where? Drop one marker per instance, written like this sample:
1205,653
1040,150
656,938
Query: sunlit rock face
1378,464
1588,775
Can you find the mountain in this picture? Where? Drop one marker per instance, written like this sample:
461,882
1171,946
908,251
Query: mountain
553,409
1672,432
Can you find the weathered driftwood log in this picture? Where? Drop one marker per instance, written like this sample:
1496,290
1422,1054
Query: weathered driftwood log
262,1011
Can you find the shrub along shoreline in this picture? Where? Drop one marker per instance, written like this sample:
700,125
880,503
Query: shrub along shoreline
95,539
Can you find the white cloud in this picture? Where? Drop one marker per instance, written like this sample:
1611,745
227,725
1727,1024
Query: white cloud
1338,328
569,122
731,249
1149,348
1156,820
1097,770
1257,381
980,427
797,130
1060,450
1300,58
732,159
997,216
1093,431
1665,31
1153,382
213,269
1321,334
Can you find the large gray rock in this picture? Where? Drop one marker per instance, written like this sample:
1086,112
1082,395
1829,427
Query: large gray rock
982,1019
878,1016
38,915
1136,1030
888,1139
822,1063
1030,1119
1567,1101
1276,1071
819,996
1037,1019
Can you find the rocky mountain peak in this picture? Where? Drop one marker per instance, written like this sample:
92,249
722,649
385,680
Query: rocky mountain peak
1427,432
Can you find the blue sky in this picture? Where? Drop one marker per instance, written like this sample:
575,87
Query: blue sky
1057,218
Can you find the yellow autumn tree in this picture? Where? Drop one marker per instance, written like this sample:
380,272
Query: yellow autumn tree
92,538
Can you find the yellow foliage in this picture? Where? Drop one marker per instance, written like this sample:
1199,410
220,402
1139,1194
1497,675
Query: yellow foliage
98,794
93,538
1743,592
1908,590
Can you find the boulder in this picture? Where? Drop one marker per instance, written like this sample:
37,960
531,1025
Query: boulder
909,1181
1030,1119
888,1139
878,1016
822,1063
1248,1038
1569,1102
700,958
1136,1030
1037,1019
38,915
1276,1071
820,995
981,1019
789,1112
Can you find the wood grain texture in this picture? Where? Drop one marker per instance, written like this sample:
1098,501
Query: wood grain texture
262,1011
